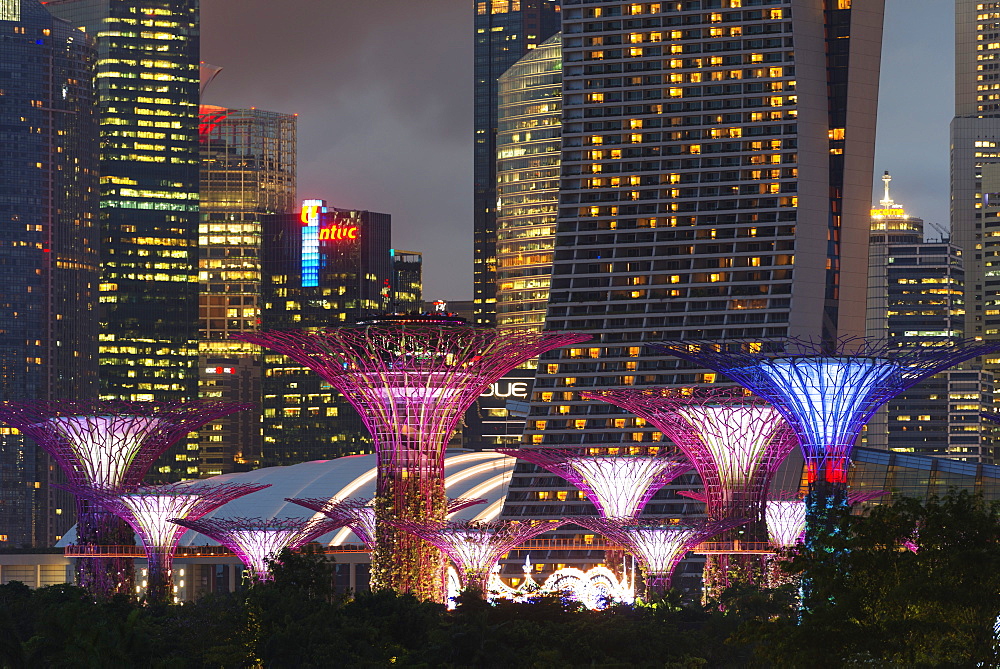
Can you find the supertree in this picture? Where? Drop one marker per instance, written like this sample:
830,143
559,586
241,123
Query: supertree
106,444
786,521
475,547
827,392
258,541
359,514
411,380
619,486
658,544
149,510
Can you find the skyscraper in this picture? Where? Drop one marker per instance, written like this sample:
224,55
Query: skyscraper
48,249
528,152
248,170
505,31
407,282
716,180
147,85
322,267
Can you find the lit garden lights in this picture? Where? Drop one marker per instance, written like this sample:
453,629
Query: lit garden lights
105,445
619,485
411,379
826,392
150,510
475,547
359,514
257,542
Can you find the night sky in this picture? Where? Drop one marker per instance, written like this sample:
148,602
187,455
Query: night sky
383,89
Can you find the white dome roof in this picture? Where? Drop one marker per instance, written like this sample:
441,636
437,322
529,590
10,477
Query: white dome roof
480,475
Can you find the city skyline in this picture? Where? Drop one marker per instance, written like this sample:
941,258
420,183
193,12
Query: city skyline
418,166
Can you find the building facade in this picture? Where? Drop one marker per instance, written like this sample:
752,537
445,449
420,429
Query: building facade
49,240
147,86
322,267
528,153
505,31
716,170
248,170
407,281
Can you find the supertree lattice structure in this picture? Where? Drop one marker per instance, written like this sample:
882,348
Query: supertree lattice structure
619,485
107,444
411,380
658,544
359,514
786,521
149,510
258,541
735,441
475,547
827,392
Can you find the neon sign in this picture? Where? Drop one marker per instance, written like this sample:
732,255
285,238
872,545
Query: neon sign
888,212
338,233
311,209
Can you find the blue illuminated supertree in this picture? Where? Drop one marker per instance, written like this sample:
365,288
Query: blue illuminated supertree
826,392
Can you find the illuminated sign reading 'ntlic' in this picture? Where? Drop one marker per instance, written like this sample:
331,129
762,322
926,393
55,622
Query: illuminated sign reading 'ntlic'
313,234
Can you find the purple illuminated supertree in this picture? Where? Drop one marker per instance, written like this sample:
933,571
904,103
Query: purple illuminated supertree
359,514
658,544
475,547
619,486
411,380
258,541
826,392
107,444
149,510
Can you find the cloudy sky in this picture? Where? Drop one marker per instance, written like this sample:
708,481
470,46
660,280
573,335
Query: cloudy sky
383,89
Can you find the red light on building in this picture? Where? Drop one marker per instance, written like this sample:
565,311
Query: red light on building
338,232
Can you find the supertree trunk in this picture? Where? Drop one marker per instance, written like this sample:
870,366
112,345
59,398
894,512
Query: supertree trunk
103,577
725,570
402,561
160,575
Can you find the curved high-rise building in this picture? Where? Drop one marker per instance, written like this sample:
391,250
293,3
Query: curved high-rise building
528,146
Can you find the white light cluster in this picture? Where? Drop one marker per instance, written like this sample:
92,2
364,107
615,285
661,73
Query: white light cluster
737,438
105,445
619,484
786,521
660,548
830,398
152,514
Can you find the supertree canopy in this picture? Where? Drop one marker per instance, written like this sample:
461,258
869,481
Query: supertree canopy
258,541
826,392
619,485
359,514
149,510
411,380
786,521
735,441
107,444
658,544
475,547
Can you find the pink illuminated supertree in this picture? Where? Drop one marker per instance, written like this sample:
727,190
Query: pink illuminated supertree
411,379
106,444
149,510
658,544
475,547
359,514
259,541
619,485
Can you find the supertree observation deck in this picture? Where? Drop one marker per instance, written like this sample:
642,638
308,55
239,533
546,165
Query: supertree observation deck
735,441
476,547
619,486
104,445
150,510
359,514
259,541
411,380
826,392
658,544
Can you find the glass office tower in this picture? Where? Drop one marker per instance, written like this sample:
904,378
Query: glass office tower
716,180
505,31
528,145
147,85
248,170
49,241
